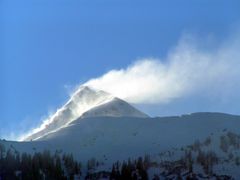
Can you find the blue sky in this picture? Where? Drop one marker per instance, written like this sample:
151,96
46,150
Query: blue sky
48,45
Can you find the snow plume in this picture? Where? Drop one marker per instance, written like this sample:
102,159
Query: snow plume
188,68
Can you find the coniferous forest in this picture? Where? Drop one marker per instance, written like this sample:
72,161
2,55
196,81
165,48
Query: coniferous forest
40,165
57,166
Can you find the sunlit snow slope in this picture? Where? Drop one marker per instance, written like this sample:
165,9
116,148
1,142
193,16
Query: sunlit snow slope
86,102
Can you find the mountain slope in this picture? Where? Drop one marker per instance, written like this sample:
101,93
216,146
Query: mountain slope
94,124
114,108
86,102
96,136
109,139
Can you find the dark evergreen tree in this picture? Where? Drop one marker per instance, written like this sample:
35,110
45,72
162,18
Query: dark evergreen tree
113,174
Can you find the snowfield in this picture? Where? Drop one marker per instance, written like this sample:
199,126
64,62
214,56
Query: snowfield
109,139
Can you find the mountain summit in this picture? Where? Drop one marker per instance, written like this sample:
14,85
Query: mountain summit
86,102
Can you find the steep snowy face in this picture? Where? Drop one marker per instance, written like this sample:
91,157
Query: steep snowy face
81,101
85,102
114,108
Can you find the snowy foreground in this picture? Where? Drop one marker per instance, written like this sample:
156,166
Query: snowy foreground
109,139
199,145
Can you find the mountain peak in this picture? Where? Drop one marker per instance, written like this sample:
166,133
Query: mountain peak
88,91
114,108
86,102
85,89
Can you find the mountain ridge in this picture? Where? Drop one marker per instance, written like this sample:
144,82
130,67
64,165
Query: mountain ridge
86,102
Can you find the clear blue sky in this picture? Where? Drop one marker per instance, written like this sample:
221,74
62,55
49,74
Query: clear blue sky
47,44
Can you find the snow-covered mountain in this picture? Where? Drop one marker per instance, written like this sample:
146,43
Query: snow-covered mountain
111,139
86,102
95,124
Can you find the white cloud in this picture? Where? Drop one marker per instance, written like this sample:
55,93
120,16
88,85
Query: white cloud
187,69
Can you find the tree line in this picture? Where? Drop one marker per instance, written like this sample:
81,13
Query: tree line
37,166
